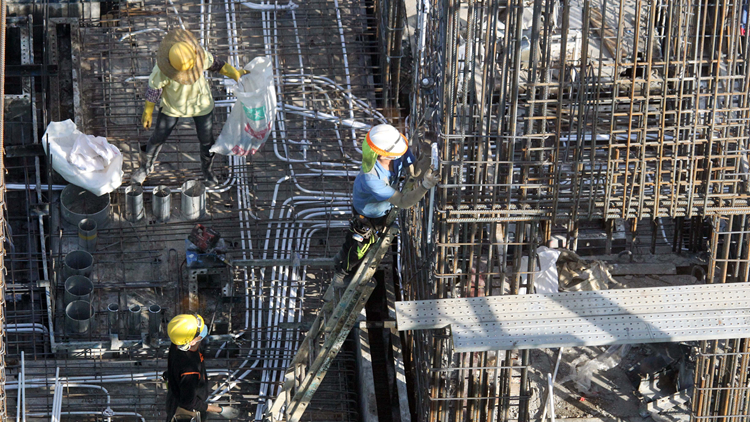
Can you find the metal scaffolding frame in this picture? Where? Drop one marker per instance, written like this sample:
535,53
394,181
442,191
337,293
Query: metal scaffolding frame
551,119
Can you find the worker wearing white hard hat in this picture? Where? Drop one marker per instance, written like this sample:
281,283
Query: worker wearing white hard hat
187,381
385,156
178,86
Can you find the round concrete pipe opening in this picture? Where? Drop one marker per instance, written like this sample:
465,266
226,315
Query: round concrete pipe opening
78,203
154,321
78,315
78,287
87,234
112,317
193,203
134,203
134,319
78,263
161,204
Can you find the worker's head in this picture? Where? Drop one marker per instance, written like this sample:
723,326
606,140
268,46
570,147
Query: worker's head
384,141
182,56
187,330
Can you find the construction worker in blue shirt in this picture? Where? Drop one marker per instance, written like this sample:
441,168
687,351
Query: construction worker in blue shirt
385,156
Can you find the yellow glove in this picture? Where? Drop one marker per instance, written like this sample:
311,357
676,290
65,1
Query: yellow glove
230,72
148,112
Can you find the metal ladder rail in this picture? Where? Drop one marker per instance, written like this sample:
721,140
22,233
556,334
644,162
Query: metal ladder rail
328,332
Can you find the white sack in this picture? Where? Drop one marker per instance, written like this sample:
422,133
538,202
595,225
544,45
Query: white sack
545,278
253,115
83,160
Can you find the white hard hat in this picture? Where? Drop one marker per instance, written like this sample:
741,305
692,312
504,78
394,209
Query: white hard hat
387,141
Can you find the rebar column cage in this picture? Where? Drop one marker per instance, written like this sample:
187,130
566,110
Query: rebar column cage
548,114
3,408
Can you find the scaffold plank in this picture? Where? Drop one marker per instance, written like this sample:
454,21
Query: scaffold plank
600,331
430,314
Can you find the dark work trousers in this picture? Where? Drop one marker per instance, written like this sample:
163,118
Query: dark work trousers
163,127
353,251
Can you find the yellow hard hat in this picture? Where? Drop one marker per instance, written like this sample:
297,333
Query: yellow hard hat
182,56
183,328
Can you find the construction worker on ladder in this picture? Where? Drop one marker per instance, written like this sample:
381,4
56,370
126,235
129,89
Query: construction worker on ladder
177,79
187,385
385,156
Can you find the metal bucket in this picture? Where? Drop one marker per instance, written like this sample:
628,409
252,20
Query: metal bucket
87,235
161,204
78,287
113,318
154,321
78,203
193,199
134,320
78,316
77,263
134,203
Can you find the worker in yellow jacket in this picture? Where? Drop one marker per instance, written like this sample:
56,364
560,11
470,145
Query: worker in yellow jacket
177,80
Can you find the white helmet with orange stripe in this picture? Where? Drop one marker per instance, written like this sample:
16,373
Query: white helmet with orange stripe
386,141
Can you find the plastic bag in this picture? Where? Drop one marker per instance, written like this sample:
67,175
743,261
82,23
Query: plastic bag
254,113
582,370
84,160
545,277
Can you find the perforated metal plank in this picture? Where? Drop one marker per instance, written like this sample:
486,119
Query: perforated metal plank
428,314
600,331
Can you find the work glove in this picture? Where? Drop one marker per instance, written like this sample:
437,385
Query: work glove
430,180
230,72
229,412
148,113
421,166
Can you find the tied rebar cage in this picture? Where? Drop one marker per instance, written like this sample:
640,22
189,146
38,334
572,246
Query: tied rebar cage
651,125
3,395
721,389
550,115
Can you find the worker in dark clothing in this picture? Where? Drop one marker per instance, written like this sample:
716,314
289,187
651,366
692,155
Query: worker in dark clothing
186,372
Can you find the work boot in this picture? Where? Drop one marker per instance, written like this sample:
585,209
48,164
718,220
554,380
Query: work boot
338,278
208,174
147,163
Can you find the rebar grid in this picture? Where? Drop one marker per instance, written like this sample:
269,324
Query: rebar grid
546,120
3,339
289,200
722,386
658,132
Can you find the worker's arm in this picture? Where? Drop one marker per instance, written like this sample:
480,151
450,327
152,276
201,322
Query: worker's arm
188,392
409,199
156,83
217,65
230,72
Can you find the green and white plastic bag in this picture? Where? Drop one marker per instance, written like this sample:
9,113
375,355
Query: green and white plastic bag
253,115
